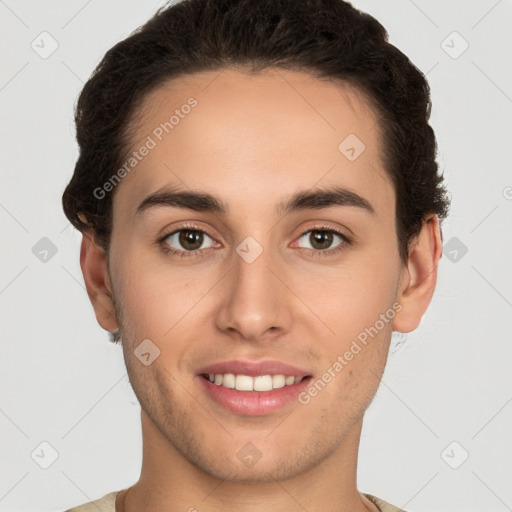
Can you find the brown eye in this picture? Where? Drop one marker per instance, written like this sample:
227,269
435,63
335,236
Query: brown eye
322,239
188,240
191,240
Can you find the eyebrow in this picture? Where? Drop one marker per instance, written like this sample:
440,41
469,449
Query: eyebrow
314,199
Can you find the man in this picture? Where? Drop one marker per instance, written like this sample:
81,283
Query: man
260,208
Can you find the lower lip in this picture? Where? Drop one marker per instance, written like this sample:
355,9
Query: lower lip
253,403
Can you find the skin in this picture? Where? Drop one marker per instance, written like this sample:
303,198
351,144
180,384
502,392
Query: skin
247,134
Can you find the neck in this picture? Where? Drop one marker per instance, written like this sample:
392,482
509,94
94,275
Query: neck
169,482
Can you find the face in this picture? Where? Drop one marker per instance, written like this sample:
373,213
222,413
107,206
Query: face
261,274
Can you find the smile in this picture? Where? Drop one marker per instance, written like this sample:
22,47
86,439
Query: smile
249,383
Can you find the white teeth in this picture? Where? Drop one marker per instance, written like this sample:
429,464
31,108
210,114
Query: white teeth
248,383
278,381
244,383
228,380
263,383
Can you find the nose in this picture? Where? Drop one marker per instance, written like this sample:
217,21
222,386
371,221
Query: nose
255,302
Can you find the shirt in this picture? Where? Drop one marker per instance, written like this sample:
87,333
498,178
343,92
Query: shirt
108,504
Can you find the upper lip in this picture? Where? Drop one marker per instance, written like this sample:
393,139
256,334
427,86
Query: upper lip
253,369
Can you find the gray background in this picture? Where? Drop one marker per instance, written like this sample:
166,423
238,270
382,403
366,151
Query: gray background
447,390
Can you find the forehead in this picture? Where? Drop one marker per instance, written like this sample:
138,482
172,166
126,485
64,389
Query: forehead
255,134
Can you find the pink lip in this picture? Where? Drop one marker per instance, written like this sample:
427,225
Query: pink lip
252,403
253,369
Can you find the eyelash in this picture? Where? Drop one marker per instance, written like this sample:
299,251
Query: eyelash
197,252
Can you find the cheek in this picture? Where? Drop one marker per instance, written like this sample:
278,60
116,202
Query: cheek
156,296
350,376
351,297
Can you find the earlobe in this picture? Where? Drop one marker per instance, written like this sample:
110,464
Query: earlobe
94,269
419,277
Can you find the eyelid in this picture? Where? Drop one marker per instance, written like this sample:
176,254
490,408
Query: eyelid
326,227
182,227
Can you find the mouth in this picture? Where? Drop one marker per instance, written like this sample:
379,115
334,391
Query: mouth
252,389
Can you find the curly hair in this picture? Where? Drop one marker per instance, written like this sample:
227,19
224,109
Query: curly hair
326,38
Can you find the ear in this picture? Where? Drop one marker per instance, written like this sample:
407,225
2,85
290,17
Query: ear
419,276
97,282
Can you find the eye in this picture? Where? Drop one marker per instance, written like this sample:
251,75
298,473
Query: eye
323,239
192,241
187,240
